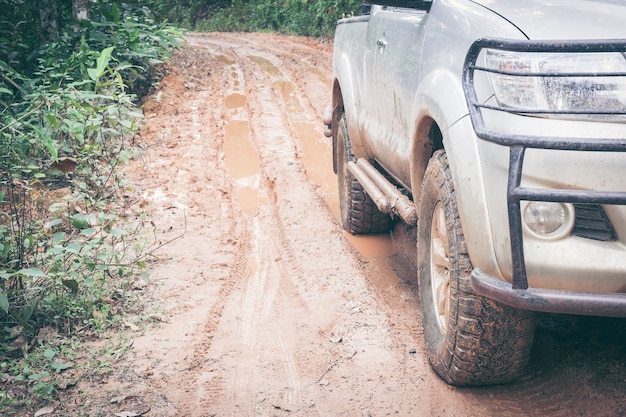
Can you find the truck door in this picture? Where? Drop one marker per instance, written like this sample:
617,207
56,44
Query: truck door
369,119
394,82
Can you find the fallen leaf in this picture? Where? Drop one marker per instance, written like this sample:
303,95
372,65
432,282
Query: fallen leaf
65,164
60,366
44,411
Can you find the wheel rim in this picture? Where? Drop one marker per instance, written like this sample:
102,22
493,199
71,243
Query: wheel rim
440,267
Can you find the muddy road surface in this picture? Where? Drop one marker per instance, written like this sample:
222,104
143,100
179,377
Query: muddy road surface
267,307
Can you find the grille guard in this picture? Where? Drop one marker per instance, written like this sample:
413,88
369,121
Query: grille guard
518,294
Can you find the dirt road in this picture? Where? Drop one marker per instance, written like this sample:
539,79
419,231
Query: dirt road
268,308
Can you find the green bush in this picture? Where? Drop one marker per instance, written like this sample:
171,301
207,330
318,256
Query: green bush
294,17
67,113
76,105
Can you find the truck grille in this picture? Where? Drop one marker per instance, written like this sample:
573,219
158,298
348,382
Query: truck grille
592,223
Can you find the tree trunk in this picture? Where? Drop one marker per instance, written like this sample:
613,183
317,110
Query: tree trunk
49,20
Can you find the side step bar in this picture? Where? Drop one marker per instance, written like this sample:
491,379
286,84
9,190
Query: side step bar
385,195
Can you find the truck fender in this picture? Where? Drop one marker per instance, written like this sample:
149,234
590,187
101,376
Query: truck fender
347,94
441,100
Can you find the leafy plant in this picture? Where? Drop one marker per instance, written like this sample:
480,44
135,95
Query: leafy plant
67,114
295,17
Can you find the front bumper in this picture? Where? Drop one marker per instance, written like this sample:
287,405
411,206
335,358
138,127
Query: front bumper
517,293
549,301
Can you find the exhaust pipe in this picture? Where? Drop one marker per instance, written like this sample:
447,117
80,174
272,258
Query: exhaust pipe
385,195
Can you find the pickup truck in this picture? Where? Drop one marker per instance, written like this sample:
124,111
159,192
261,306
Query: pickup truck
498,129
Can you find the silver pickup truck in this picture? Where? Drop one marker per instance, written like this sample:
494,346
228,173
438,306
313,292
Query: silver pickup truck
498,128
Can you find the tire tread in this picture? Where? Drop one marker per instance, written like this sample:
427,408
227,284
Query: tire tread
486,342
359,213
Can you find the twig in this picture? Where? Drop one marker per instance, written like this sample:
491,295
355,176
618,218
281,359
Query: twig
150,253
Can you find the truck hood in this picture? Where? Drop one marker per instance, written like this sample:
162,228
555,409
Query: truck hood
563,19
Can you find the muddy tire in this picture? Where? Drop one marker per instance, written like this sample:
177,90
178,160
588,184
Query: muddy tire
470,340
359,214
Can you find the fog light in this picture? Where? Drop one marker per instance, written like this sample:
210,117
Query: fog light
547,219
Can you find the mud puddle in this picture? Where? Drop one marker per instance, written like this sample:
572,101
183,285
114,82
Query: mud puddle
381,251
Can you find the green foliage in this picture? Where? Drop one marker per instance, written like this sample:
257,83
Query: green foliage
67,113
294,17
82,89
60,272
57,364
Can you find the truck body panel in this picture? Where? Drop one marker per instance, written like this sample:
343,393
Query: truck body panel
398,67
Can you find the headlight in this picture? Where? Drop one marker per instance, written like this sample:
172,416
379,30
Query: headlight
549,220
573,85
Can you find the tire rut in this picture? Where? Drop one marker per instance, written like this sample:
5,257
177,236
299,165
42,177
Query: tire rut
259,290
281,233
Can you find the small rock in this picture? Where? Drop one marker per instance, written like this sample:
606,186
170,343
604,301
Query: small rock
140,284
131,326
159,317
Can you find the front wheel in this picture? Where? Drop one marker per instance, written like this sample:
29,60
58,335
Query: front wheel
470,339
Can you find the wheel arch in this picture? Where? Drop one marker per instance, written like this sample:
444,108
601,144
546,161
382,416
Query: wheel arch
437,104
346,97
337,110
442,122
426,141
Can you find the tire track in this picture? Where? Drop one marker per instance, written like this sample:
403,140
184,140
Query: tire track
297,116
256,313
199,367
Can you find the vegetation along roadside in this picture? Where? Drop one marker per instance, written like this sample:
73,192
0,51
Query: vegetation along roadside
72,76
69,89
